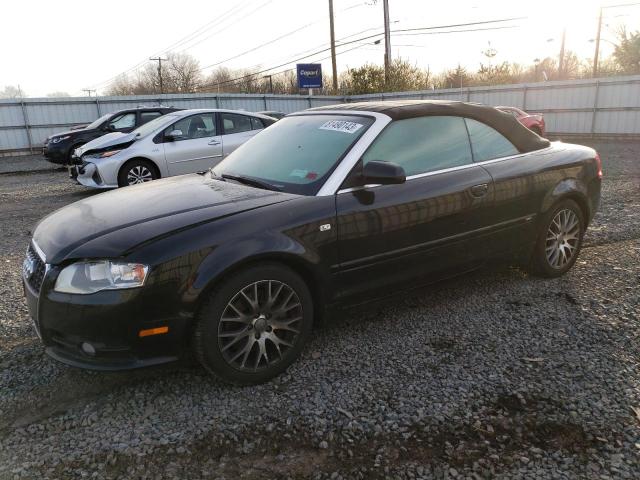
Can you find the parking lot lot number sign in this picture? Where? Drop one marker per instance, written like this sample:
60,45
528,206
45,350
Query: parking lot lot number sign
309,75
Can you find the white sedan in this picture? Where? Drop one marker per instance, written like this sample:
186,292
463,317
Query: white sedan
186,141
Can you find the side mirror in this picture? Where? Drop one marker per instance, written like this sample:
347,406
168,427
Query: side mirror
174,135
383,173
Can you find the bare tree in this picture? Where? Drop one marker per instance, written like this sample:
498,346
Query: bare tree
183,72
180,74
11,91
58,94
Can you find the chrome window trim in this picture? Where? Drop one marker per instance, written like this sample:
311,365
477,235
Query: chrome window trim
338,176
332,184
451,169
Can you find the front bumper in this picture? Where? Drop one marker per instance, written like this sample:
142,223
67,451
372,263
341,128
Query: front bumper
56,152
88,174
110,322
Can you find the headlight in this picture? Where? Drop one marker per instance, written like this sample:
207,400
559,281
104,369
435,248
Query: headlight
59,139
108,154
93,276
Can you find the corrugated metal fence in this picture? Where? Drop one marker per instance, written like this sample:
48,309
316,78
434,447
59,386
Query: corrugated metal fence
605,106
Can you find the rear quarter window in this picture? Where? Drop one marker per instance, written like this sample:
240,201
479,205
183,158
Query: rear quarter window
487,143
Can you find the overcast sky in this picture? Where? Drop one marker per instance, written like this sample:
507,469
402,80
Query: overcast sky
69,45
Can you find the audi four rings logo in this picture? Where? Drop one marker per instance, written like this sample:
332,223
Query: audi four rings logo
28,267
309,73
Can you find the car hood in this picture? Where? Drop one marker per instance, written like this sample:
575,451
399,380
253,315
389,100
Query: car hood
106,141
111,224
64,134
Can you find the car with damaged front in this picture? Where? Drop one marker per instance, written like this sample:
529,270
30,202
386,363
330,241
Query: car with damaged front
59,147
187,141
326,207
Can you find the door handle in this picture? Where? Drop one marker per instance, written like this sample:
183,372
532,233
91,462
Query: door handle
214,142
479,190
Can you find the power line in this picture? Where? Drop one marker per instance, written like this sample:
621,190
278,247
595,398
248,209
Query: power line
208,26
370,37
399,30
291,61
453,31
217,32
454,25
284,71
251,50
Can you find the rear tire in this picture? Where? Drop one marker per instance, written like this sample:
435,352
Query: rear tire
254,324
559,240
137,171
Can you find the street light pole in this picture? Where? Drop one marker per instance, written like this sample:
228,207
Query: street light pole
333,49
597,53
387,42
270,77
561,61
159,60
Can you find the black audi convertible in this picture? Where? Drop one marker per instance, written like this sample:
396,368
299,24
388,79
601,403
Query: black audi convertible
328,206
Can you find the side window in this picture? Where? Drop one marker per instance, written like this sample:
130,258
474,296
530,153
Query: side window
196,126
235,123
148,116
126,120
256,123
422,144
487,143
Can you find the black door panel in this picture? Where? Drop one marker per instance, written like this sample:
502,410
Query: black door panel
520,184
420,228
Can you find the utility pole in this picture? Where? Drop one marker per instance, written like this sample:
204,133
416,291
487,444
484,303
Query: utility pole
597,53
387,41
89,90
159,60
561,59
333,49
270,77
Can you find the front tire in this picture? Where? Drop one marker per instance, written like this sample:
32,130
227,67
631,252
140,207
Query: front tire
137,171
254,325
559,240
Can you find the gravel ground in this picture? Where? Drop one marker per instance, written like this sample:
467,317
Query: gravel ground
26,163
493,375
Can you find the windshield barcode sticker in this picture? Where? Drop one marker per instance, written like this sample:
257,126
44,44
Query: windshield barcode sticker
341,126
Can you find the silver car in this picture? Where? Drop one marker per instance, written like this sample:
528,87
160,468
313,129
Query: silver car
186,141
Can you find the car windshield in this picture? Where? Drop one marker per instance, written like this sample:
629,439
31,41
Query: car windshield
98,122
296,154
153,125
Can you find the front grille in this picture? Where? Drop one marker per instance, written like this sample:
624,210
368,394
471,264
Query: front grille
34,269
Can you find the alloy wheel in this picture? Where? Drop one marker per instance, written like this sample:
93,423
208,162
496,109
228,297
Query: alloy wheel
259,325
139,174
563,238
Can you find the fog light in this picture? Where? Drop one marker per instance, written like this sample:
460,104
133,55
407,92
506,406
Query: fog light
88,348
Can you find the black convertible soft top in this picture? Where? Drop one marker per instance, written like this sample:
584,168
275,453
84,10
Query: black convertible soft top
524,139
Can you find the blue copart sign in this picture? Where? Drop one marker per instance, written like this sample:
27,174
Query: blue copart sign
309,75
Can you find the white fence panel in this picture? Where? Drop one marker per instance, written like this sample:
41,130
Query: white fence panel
608,106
